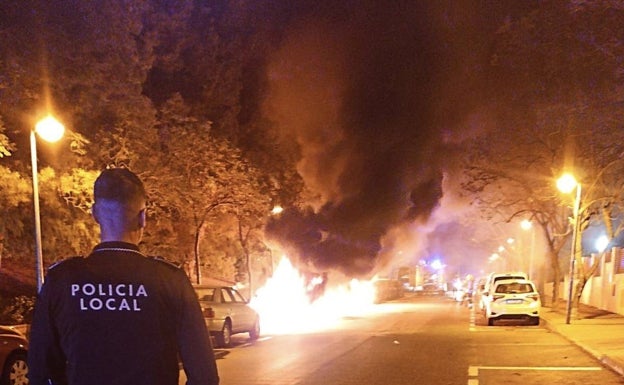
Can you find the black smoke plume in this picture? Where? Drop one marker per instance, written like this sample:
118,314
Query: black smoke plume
374,94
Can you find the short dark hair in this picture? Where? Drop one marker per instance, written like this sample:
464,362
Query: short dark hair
120,185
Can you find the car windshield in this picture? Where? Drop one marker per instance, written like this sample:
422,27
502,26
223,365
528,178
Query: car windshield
514,288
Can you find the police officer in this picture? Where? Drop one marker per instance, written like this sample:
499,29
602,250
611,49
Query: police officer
118,317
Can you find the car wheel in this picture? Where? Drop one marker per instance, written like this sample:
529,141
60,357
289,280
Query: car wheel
224,338
490,321
254,333
534,321
15,370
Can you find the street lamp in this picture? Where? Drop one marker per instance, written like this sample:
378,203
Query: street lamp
50,130
277,210
601,243
566,183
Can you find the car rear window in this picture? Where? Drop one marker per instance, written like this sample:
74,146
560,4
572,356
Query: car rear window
514,288
205,294
508,277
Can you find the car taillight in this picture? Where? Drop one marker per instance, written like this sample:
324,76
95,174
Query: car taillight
208,312
534,297
496,297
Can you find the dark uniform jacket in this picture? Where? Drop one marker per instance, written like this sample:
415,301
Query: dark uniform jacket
118,317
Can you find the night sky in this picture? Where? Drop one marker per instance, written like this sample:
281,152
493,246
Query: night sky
380,97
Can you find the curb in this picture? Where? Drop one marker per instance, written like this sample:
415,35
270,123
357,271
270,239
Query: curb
607,361
614,365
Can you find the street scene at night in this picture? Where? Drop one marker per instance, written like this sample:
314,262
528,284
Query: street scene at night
430,339
311,192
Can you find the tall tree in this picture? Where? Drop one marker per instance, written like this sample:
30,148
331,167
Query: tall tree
202,176
511,176
84,61
552,74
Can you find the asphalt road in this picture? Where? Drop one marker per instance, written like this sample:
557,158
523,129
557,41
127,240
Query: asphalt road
413,341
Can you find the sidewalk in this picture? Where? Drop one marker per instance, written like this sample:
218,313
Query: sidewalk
598,332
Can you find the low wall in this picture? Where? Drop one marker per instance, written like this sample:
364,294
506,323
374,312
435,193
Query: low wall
605,290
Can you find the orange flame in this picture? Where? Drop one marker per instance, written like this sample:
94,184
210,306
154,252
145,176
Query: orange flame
285,306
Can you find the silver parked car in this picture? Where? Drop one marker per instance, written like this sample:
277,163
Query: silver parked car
227,312
13,351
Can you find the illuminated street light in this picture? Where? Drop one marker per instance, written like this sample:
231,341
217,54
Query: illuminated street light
526,224
277,210
502,261
601,243
566,183
50,130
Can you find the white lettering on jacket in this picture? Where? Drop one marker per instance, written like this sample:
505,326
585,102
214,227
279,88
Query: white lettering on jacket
108,296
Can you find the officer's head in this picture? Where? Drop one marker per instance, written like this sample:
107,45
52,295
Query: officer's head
119,206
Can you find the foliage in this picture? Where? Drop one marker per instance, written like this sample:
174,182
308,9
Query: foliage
5,144
201,177
15,194
513,178
17,310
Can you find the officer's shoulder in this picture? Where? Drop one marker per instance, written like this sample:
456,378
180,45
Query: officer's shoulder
67,262
165,262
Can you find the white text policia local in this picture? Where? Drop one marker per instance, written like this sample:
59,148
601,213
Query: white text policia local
108,296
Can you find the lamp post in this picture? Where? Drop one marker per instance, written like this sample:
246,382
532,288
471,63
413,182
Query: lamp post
566,183
527,225
50,130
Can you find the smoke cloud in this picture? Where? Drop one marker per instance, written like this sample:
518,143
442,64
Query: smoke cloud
374,96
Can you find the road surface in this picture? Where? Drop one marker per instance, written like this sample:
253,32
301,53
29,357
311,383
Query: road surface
415,340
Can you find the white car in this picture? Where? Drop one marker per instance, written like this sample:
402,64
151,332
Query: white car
513,299
491,280
227,312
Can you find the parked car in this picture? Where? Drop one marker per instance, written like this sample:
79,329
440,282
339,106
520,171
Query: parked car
227,312
491,280
13,351
514,299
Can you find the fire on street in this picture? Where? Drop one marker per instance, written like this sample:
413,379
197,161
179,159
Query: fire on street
426,340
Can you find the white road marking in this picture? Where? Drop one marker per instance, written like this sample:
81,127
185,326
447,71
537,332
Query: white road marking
551,368
473,371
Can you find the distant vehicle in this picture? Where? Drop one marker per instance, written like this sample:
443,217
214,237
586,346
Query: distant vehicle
430,289
227,312
490,281
513,299
13,351
387,290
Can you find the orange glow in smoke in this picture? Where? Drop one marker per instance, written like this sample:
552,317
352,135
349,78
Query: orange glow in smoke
285,306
